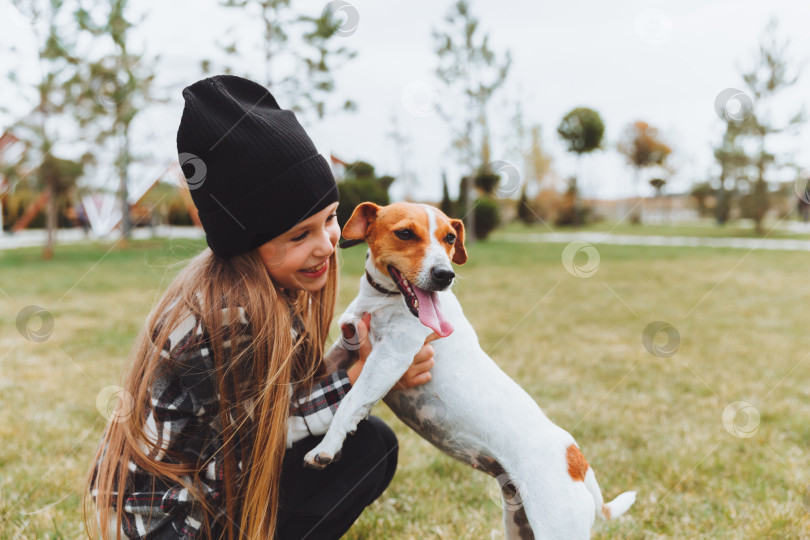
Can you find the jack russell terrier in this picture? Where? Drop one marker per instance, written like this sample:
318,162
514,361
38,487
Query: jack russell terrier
470,409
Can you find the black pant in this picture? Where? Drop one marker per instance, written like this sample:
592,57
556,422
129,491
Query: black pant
322,504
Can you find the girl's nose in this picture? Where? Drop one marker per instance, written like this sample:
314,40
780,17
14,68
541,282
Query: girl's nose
326,243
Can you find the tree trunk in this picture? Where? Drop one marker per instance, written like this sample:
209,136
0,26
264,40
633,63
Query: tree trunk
760,192
760,204
469,211
50,221
721,209
123,168
636,217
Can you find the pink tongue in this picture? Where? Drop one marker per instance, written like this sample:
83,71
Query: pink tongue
429,312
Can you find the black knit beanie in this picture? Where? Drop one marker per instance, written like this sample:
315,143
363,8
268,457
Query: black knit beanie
252,170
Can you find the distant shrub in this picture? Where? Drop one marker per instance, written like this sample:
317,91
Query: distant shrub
525,212
487,217
353,192
361,184
177,214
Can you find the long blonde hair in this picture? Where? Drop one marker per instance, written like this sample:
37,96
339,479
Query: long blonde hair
261,370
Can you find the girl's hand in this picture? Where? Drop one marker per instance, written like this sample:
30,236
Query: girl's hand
419,372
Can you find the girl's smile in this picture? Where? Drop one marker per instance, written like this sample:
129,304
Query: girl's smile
316,271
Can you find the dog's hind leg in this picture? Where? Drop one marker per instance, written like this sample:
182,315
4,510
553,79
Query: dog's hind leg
515,523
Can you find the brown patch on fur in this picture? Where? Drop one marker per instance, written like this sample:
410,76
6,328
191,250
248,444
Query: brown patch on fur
577,465
376,225
362,217
445,226
606,511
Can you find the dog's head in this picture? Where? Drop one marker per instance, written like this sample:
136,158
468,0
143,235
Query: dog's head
414,244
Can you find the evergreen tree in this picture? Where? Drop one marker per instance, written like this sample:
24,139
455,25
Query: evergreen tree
524,211
446,205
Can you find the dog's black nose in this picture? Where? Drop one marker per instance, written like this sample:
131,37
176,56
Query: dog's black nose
442,276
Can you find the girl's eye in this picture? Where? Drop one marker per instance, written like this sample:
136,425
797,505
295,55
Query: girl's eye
305,233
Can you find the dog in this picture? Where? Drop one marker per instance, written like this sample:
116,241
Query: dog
470,409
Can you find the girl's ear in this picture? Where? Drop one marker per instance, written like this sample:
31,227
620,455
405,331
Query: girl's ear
364,215
460,254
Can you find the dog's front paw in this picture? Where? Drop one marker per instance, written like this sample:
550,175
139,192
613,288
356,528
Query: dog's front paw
318,459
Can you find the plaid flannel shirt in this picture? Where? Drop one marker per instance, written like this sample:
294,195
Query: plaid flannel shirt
184,418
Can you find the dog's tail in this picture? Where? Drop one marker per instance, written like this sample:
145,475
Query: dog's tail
619,505
614,508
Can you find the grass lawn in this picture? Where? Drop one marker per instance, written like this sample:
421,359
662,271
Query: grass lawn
645,422
705,229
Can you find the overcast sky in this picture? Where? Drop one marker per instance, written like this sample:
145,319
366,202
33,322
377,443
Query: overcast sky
664,62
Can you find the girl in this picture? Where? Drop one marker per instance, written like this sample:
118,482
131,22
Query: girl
228,389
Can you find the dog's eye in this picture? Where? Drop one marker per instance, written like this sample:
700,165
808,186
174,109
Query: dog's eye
450,238
405,234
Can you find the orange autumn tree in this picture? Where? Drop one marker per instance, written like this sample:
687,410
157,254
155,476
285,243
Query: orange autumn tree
643,147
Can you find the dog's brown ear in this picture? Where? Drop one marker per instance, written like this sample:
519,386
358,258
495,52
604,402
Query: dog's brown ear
364,215
460,254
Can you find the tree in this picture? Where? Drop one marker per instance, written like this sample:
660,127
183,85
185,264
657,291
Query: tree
534,161
463,201
582,130
703,193
658,185
733,161
402,142
42,129
446,205
486,180
11,153
539,161
113,89
471,73
568,212
301,90
524,210
643,148
767,77
539,165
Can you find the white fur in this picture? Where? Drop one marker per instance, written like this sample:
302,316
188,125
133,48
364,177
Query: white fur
484,409
435,257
